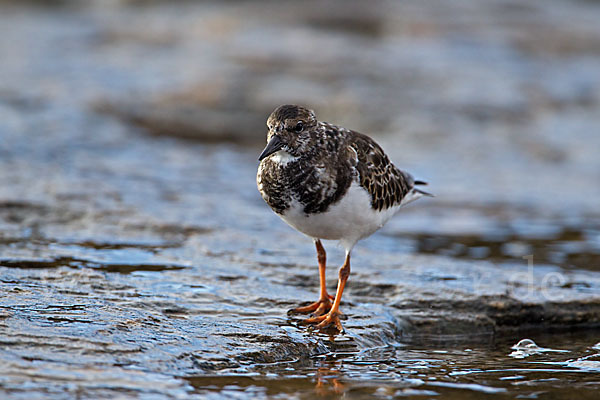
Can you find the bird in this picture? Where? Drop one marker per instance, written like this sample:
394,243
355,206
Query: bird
329,183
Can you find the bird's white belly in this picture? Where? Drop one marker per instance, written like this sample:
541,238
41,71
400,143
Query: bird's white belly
348,220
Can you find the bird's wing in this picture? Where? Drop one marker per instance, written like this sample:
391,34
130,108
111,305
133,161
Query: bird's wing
386,184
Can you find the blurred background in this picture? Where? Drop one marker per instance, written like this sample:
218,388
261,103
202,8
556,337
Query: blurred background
129,132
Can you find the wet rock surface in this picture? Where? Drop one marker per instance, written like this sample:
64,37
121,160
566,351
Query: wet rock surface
134,263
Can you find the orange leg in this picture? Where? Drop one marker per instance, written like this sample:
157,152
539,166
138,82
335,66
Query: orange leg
333,316
323,305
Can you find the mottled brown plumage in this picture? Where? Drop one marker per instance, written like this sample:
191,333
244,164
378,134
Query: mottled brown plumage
386,184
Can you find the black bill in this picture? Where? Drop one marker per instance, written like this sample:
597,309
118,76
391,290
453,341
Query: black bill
275,144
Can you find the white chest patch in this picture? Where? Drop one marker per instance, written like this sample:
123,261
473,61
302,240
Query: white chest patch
282,157
348,221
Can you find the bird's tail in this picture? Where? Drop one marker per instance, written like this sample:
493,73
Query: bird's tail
415,193
422,192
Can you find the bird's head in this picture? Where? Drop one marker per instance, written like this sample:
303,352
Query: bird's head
290,130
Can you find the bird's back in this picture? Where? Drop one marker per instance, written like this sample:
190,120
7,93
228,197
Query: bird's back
387,185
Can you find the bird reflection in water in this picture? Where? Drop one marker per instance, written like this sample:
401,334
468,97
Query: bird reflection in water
328,381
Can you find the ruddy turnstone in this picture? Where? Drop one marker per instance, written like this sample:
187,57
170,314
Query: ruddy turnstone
329,183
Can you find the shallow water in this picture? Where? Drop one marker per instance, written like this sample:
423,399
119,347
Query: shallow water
135,264
106,299
453,371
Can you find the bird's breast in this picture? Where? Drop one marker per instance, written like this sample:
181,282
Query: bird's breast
348,220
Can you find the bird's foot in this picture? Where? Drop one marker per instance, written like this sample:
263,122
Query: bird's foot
329,320
318,308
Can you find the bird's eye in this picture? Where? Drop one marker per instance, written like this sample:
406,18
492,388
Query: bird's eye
299,127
